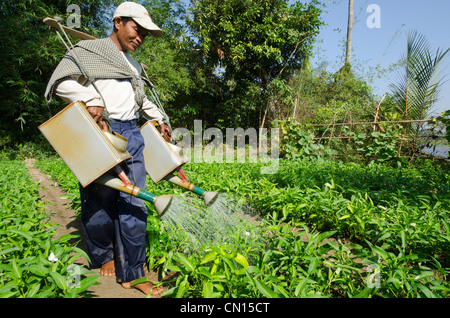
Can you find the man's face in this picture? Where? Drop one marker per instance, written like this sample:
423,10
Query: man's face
130,34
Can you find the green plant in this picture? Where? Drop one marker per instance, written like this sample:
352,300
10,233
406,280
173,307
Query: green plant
377,146
255,44
221,279
444,118
420,82
296,143
33,263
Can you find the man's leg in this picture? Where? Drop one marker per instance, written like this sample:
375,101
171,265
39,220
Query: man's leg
97,206
131,224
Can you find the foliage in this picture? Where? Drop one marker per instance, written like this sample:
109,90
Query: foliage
444,119
377,146
296,143
242,46
419,82
24,53
255,37
33,264
322,97
39,149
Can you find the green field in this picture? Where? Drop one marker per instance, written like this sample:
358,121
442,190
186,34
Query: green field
328,229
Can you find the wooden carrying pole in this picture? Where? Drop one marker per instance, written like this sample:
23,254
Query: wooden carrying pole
78,34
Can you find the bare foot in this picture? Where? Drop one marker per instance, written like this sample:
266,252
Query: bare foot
108,269
146,288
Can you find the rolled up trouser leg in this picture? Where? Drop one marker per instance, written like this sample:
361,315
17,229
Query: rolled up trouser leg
98,204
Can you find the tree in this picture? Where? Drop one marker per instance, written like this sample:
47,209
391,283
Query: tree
348,52
29,53
419,81
253,47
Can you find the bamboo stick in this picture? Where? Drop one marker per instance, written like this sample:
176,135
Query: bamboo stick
335,137
378,122
377,114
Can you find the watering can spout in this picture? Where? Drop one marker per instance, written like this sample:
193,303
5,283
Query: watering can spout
208,197
161,203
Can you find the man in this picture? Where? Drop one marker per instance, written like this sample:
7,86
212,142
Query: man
102,74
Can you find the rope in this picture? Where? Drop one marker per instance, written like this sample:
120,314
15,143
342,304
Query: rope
80,65
152,90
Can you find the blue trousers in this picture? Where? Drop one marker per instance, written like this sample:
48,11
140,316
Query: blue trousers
114,223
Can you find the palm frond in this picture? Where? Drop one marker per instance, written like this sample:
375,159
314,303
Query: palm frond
420,79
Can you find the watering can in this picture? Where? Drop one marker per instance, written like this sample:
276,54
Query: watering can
162,158
91,153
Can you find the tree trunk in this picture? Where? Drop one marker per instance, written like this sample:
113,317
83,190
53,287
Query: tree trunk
348,53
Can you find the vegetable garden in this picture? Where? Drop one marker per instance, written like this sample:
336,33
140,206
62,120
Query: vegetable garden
328,229
374,223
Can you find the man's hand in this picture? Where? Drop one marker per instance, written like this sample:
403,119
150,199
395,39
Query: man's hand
96,113
165,131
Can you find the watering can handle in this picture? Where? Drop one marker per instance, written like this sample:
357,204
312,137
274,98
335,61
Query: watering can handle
166,137
97,113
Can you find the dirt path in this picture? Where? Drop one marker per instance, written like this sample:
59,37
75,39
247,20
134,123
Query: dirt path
62,214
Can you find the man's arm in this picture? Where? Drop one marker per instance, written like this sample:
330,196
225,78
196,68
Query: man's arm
151,112
71,90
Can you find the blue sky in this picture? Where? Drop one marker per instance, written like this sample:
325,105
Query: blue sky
379,48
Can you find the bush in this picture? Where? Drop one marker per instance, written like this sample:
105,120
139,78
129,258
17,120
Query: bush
297,143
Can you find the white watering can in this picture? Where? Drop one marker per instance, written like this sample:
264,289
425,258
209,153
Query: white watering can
90,152
162,158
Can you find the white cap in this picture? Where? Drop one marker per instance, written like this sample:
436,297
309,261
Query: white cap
139,14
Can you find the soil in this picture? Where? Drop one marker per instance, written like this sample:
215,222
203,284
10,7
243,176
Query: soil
63,215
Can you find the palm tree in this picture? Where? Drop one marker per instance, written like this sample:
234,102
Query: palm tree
348,51
420,81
